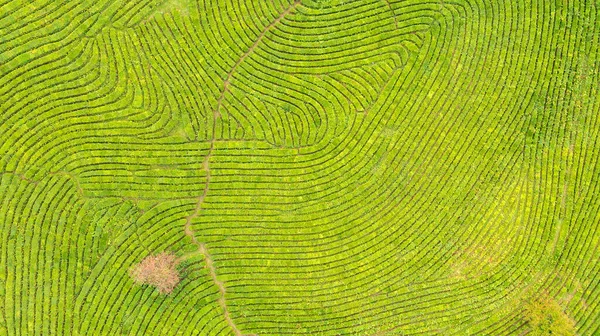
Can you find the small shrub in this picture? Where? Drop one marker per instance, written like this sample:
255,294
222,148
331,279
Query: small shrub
546,317
159,271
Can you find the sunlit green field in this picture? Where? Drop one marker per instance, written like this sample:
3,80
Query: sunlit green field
376,167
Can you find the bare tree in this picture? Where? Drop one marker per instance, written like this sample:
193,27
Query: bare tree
159,271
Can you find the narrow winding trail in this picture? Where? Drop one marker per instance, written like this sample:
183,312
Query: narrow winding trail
206,166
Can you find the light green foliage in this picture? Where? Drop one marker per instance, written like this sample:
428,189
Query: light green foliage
319,167
546,317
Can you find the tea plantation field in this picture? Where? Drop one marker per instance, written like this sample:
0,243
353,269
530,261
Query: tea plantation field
313,167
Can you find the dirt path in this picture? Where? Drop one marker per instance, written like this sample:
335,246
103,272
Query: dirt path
206,166
387,2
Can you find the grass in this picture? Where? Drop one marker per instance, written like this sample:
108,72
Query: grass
319,167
